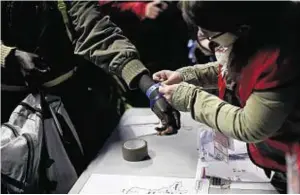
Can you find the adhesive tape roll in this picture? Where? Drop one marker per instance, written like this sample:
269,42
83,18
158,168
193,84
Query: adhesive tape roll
135,150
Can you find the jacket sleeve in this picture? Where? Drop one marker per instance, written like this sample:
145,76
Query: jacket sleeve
5,51
263,115
100,41
204,75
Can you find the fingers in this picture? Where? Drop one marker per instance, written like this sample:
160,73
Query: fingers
165,129
161,4
168,81
160,76
154,12
162,89
163,126
168,131
152,9
164,5
167,91
40,66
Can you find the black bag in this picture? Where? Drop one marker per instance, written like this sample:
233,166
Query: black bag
39,146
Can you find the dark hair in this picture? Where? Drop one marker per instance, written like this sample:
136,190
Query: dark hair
271,25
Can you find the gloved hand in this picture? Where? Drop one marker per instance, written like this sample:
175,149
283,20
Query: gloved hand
170,118
31,66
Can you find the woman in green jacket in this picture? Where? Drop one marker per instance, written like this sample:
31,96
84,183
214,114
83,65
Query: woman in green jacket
257,74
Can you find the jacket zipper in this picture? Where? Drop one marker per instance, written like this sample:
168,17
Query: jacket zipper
14,129
30,158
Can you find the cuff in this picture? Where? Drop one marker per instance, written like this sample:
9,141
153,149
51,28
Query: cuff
5,51
131,71
181,97
188,74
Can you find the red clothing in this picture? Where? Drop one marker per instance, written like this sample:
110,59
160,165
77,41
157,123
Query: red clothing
263,72
136,7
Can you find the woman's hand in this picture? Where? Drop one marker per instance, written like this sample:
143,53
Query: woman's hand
167,91
167,77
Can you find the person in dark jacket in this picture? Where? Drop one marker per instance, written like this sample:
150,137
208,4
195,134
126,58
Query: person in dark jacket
155,27
72,50
158,31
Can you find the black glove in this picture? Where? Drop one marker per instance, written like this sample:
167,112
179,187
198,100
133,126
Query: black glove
31,66
169,117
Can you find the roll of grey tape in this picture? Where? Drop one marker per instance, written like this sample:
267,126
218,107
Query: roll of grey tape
135,150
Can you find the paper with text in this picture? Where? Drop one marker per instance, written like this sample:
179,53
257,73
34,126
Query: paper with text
125,184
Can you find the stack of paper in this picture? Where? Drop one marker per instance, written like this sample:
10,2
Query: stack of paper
213,146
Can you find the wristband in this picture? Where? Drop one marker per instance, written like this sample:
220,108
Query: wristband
151,89
152,101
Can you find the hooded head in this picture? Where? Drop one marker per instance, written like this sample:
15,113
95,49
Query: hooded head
247,26
224,21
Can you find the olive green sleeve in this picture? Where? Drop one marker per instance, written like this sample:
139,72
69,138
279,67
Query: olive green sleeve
100,41
5,51
262,116
204,75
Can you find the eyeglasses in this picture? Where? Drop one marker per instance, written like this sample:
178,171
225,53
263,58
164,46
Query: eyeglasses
206,34
215,36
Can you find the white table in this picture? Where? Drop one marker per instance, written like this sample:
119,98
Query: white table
171,156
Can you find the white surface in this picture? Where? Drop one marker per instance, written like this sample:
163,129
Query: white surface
116,184
130,119
171,156
132,126
130,132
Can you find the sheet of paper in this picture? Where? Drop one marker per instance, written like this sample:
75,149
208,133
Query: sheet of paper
238,170
213,145
125,184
